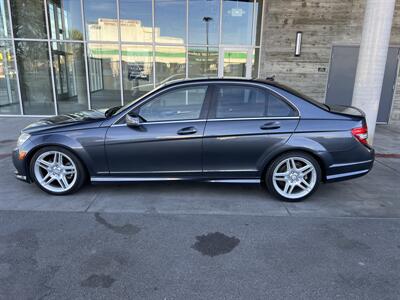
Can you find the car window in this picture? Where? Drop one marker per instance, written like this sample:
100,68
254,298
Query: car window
234,101
179,104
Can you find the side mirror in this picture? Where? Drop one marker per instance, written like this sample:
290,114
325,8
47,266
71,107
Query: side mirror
132,120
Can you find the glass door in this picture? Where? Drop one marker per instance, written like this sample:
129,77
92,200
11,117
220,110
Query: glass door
235,62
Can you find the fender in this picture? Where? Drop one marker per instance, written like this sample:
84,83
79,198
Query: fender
89,150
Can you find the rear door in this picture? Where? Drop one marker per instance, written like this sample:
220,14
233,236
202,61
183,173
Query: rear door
246,121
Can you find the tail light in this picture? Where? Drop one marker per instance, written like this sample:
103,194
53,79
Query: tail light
361,134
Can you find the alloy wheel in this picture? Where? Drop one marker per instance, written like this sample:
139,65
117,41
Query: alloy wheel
55,171
294,177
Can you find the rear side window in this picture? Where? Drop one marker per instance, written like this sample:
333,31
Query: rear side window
235,101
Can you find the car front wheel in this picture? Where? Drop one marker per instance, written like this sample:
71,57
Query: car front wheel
57,171
293,176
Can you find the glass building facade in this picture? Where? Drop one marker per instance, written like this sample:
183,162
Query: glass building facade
62,56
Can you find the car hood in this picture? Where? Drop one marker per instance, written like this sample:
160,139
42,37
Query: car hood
83,117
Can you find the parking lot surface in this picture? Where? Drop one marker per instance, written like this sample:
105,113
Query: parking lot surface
185,240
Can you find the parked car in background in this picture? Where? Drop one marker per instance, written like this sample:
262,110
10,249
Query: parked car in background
218,130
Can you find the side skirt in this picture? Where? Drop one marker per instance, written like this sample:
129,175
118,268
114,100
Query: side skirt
152,179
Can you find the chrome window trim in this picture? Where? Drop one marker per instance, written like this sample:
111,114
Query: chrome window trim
253,118
209,82
164,122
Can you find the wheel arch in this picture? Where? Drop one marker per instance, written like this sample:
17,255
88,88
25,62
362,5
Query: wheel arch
34,150
316,155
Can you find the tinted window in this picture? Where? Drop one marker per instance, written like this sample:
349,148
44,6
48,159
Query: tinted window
179,104
244,102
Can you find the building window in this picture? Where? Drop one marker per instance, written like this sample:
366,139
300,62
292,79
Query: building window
137,71
136,21
34,76
9,101
70,77
4,24
204,22
237,22
65,19
28,19
105,88
170,21
101,20
170,63
203,62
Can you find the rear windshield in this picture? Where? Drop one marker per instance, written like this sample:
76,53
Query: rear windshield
300,95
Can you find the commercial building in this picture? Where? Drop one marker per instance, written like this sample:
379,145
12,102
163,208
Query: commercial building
61,56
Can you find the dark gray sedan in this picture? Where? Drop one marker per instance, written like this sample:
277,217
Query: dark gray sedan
218,130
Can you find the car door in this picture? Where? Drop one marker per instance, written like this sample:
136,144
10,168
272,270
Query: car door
168,140
245,123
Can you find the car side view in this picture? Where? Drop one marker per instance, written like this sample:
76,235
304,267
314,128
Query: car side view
217,130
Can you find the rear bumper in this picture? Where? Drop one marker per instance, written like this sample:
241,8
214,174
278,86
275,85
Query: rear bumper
345,171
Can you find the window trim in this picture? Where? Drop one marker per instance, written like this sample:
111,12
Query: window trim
203,112
212,116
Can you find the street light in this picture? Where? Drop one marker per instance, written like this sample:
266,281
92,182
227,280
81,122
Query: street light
207,20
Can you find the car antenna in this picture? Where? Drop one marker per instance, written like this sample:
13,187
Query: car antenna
271,78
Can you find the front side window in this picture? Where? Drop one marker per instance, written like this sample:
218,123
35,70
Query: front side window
233,101
179,104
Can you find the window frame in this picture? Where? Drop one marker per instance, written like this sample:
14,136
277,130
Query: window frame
203,111
213,107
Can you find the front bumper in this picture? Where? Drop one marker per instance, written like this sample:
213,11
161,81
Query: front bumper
21,166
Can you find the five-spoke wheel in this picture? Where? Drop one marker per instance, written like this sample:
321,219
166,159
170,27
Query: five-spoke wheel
57,170
293,176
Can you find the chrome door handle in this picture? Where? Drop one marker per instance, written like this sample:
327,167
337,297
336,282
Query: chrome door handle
270,125
187,130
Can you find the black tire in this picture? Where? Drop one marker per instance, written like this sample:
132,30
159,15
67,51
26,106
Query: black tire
269,175
80,170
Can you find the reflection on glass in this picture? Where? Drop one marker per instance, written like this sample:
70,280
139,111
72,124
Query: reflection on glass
69,77
28,19
258,13
101,20
137,71
65,19
9,103
170,21
203,62
204,22
237,20
34,78
255,60
170,63
136,21
104,75
4,26
235,63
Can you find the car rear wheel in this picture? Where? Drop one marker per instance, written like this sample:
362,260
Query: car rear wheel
57,171
293,176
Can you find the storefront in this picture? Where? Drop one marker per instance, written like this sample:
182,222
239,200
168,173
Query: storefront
106,53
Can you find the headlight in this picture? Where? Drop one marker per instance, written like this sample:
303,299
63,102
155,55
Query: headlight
22,139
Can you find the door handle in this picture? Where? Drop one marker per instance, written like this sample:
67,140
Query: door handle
270,125
187,130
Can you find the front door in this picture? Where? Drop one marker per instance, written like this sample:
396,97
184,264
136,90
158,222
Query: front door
235,62
168,142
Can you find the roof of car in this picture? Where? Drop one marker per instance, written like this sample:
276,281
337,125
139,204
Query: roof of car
256,80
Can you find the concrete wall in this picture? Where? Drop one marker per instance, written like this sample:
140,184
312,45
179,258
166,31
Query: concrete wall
323,23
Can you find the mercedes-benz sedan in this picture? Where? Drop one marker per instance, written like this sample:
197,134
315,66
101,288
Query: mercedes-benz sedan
218,130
